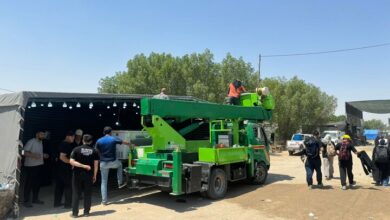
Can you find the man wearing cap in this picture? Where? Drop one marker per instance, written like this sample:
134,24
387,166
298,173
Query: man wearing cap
78,138
64,173
33,165
107,149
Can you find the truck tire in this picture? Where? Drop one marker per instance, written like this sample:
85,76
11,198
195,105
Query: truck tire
261,173
290,153
217,184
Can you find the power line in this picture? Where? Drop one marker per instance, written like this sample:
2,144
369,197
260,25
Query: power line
328,51
7,90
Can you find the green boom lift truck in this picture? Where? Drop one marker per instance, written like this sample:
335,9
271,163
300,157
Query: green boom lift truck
201,146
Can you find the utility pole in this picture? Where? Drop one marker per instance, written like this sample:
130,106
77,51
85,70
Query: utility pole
259,67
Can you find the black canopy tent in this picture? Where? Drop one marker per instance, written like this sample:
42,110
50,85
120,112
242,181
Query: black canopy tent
355,109
23,113
371,106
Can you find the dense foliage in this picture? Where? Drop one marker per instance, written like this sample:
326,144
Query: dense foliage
299,105
375,124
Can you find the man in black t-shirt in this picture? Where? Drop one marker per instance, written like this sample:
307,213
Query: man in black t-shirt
85,161
64,173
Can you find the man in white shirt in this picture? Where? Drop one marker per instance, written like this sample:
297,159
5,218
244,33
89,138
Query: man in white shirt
162,94
33,163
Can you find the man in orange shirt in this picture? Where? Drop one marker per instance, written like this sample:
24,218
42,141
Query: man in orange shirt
235,90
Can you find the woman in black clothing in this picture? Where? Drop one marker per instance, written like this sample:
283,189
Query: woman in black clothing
381,158
344,150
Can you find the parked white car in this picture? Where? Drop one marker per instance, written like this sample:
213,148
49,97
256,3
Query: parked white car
296,143
335,135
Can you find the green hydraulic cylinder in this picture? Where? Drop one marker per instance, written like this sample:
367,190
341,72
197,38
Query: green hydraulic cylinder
190,128
177,173
236,136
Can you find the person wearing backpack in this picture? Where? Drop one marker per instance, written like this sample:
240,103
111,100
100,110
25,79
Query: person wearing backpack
313,160
328,154
376,175
381,158
344,150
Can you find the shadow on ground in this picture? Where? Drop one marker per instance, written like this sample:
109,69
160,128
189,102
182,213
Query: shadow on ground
46,195
179,204
274,177
151,196
276,154
100,213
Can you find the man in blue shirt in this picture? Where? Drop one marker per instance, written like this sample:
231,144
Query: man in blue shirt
313,147
107,149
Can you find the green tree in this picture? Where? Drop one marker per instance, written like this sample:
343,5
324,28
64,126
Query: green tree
374,124
233,68
200,74
299,105
337,118
109,84
196,75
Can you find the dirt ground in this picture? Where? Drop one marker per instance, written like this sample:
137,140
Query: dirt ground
285,196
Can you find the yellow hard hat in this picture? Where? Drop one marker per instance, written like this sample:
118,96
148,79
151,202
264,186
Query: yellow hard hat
346,136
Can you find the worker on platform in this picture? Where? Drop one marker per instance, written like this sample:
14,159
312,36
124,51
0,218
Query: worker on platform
162,94
234,92
266,99
107,150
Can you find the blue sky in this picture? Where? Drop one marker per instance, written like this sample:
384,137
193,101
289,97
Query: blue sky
67,46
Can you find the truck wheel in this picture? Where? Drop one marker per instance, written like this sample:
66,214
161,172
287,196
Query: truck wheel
261,173
290,153
217,185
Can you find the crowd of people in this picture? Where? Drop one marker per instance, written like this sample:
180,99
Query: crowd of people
379,165
76,167
76,163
